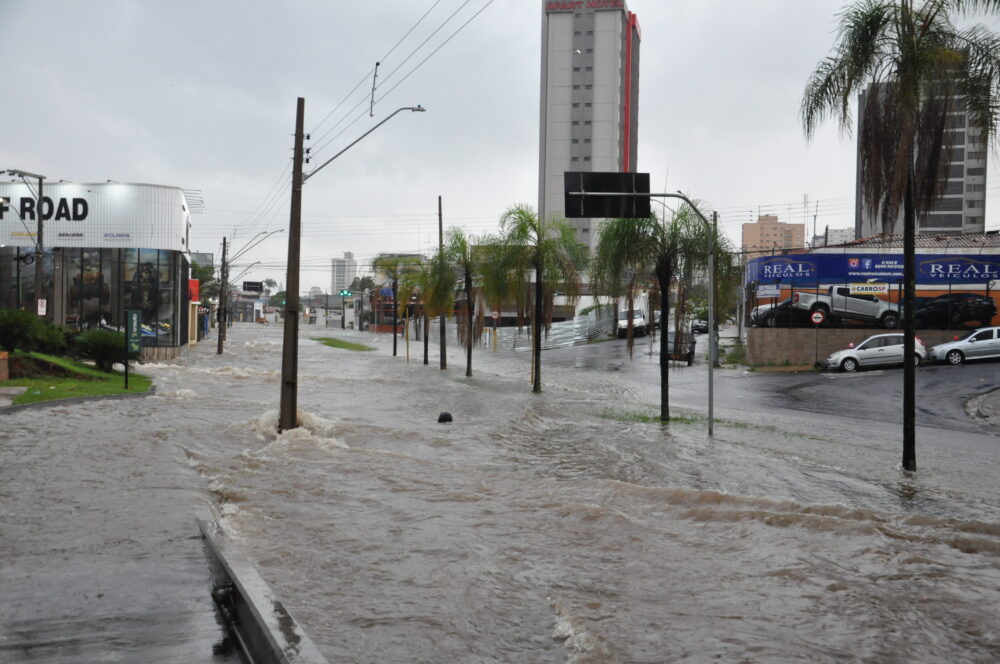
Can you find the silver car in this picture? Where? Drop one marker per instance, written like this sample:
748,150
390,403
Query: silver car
879,350
975,344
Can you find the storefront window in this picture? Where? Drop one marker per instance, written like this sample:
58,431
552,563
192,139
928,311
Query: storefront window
166,325
73,281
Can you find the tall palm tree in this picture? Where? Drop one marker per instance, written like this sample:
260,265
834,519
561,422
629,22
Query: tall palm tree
915,67
394,268
466,259
435,282
633,251
548,249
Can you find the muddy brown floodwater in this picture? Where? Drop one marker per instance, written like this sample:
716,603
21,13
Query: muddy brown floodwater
556,527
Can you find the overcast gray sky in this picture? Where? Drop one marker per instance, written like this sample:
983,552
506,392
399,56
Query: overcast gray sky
202,95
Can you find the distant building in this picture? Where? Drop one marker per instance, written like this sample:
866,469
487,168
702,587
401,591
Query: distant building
768,235
343,272
833,236
962,207
589,98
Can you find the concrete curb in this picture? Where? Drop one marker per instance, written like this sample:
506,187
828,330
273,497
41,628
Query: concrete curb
73,400
253,614
986,407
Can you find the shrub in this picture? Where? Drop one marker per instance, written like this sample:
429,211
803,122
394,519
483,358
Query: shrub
50,339
103,347
18,329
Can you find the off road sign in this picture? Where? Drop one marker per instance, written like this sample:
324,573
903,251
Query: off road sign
817,316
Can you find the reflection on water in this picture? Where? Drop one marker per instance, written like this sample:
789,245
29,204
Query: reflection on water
537,528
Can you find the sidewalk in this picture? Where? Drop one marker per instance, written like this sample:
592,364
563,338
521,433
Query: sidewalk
100,559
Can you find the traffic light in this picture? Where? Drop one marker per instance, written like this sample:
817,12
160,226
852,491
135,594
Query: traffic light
345,293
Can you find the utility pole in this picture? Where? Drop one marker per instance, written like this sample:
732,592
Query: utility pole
223,282
290,355
444,354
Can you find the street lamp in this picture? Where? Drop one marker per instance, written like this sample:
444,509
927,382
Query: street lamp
290,350
39,238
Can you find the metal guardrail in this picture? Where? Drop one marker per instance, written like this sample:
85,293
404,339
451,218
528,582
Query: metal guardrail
597,323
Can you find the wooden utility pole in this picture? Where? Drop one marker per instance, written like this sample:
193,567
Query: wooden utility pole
290,352
223,281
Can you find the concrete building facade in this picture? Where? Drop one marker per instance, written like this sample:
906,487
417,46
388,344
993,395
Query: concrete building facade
589,98
342,272
767,235
962,207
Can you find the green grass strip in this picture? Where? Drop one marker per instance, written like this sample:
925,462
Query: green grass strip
345,345
85,381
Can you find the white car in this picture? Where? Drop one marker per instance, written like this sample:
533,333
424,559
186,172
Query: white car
879,350
639,326
975,344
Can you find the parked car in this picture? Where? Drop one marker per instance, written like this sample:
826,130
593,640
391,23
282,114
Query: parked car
955,309
699,327
783,314
639,325
978,344
838,302
879,350
682,351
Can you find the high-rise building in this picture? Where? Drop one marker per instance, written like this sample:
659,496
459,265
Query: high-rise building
589,98
768,235
962,206
343,272
832,237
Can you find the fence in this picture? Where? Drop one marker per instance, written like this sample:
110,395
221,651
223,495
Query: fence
597,323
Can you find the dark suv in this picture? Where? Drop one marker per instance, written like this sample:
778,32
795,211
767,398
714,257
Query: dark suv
955,309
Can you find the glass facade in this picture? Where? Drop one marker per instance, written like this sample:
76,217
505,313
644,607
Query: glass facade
95,287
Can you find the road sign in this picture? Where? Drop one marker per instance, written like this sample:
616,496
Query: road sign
42,307
253,286
496,315
817,317
768,290
625,206
133,331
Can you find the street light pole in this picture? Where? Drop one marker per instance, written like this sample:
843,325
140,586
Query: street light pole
39,237
290,350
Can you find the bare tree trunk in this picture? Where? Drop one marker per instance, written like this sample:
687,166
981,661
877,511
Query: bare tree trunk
427,334
468,316
536,335
663,276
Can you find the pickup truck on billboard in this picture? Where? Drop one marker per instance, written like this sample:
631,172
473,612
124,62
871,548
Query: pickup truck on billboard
838,302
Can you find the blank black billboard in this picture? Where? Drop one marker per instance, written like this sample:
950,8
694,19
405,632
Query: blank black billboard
620,207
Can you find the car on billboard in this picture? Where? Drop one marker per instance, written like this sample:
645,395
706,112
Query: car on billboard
955,310
978,344
838,301
878,350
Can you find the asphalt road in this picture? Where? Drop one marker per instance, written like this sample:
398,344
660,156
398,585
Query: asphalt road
873,395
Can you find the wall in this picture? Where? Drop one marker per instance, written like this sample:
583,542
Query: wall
767,346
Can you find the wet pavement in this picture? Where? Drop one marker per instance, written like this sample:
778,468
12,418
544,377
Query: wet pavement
100,561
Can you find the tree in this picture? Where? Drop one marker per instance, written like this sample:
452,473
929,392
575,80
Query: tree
915,67
277,300
363,283
549,250
435,282
394,268
208,285
269,284
630,252
467,261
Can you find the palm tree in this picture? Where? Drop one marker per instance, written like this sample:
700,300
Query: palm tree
394,268
467,260
915,67
630,252
549,249
435,282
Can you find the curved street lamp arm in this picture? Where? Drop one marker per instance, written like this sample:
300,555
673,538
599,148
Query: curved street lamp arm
415,109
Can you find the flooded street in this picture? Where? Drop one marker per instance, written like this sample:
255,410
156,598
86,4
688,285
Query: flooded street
556,527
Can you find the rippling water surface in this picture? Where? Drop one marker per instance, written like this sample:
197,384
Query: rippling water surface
548,528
